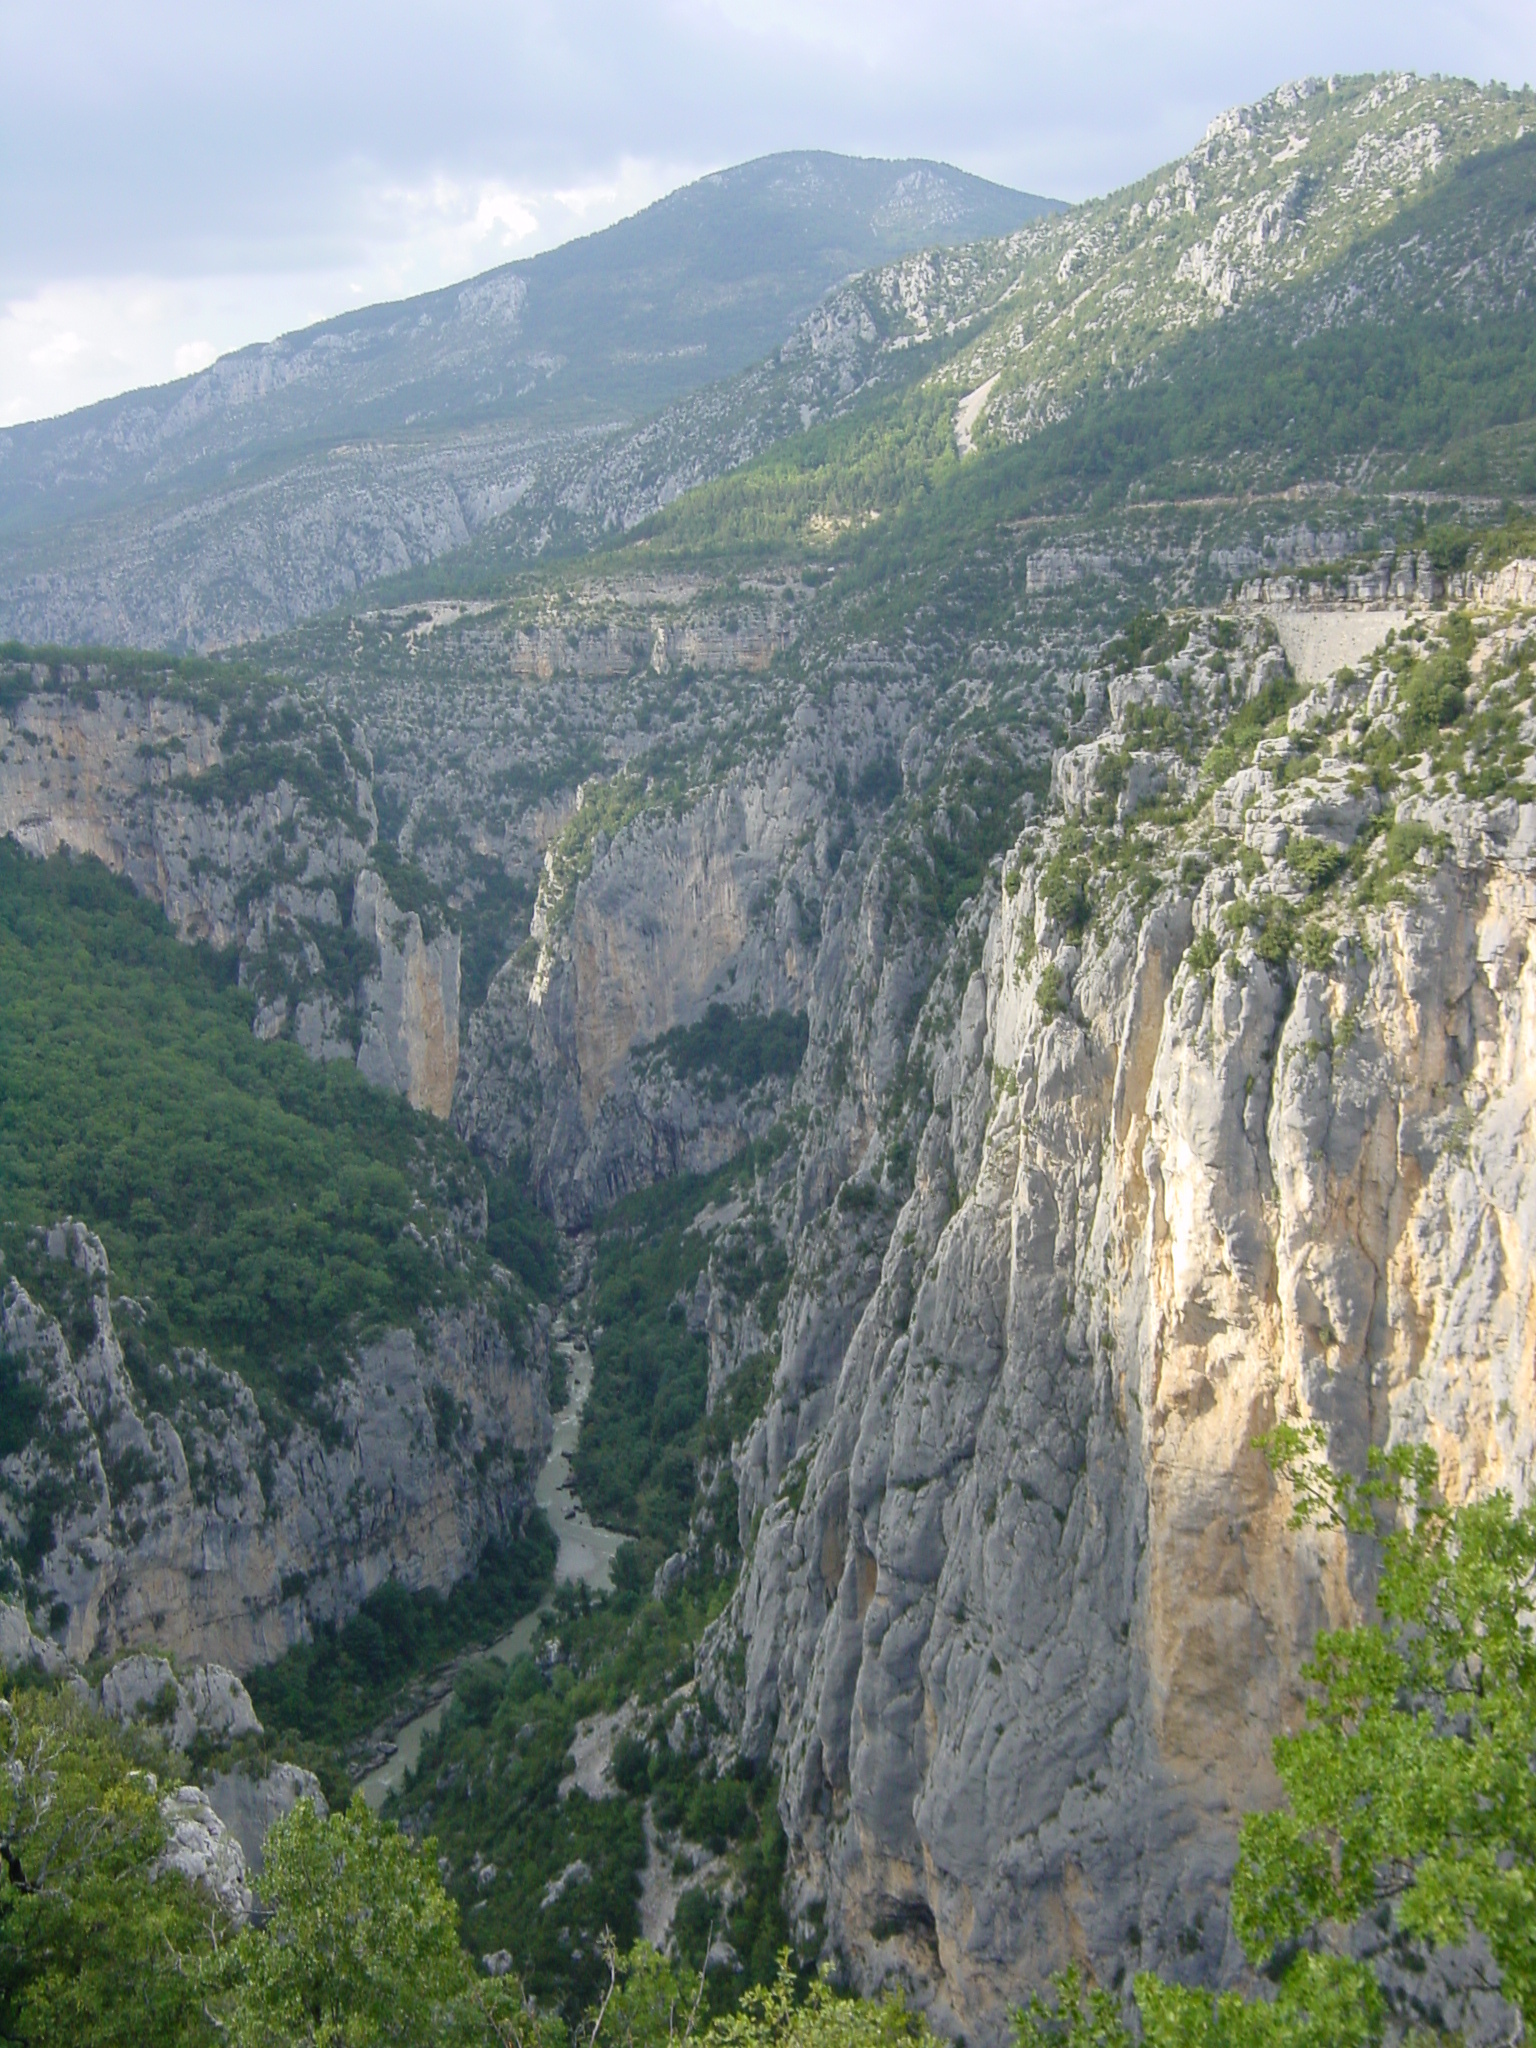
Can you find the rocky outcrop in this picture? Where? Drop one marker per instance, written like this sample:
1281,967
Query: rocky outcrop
267,859
201,1849
1023,1611
181,1522
248,1806
410,1037
216,1836
21,1649
124,774
672,913
208,1700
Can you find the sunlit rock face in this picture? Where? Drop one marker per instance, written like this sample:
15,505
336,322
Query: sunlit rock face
410,1039
1024,1610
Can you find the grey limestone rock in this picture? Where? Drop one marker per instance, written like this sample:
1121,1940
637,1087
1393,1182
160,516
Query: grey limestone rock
1023,1608
209,1700
410,1039
200,1848
20,1649
248,1806
225,1546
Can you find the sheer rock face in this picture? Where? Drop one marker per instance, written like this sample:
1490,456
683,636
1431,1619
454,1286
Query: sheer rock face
115,774
673,914
410,1041
1023,1611
248,1806
188,1527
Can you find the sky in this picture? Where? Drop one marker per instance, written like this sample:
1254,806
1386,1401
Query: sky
178,180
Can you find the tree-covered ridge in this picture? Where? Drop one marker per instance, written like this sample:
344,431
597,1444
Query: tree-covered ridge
254,1202
1067,310
614,324
395,411
1321,206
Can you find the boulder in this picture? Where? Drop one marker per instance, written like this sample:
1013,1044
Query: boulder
210,1700
200,1848
249,1806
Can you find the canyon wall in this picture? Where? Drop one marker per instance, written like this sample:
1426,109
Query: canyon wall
243,846
179,1519
1023,1610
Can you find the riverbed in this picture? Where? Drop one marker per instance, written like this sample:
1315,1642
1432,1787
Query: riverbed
585,1556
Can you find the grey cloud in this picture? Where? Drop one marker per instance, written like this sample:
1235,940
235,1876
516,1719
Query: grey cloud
175,139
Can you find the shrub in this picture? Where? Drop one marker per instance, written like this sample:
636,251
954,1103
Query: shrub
1314,862
1051,990
1063,889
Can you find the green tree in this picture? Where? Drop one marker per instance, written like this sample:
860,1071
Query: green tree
648,2001
1323,2001
358,1947
97,1948
785,2014
1412,1784
1081,2016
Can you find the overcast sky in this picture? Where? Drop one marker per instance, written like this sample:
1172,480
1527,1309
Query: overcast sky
178,180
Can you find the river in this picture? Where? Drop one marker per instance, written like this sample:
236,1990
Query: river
586,1556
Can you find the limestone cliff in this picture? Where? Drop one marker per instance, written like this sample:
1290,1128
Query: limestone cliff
1023,1610
170,1515
668,914
245,843
410,1039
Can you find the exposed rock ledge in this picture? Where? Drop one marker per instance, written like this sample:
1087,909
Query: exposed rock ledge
186,1526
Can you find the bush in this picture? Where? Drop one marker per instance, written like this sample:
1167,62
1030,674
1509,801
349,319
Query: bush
631,1765
1433,696
1063,889
879,783
1051,990
1314,862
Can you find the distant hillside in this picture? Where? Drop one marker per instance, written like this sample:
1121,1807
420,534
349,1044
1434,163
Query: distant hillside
275,483
1336,283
